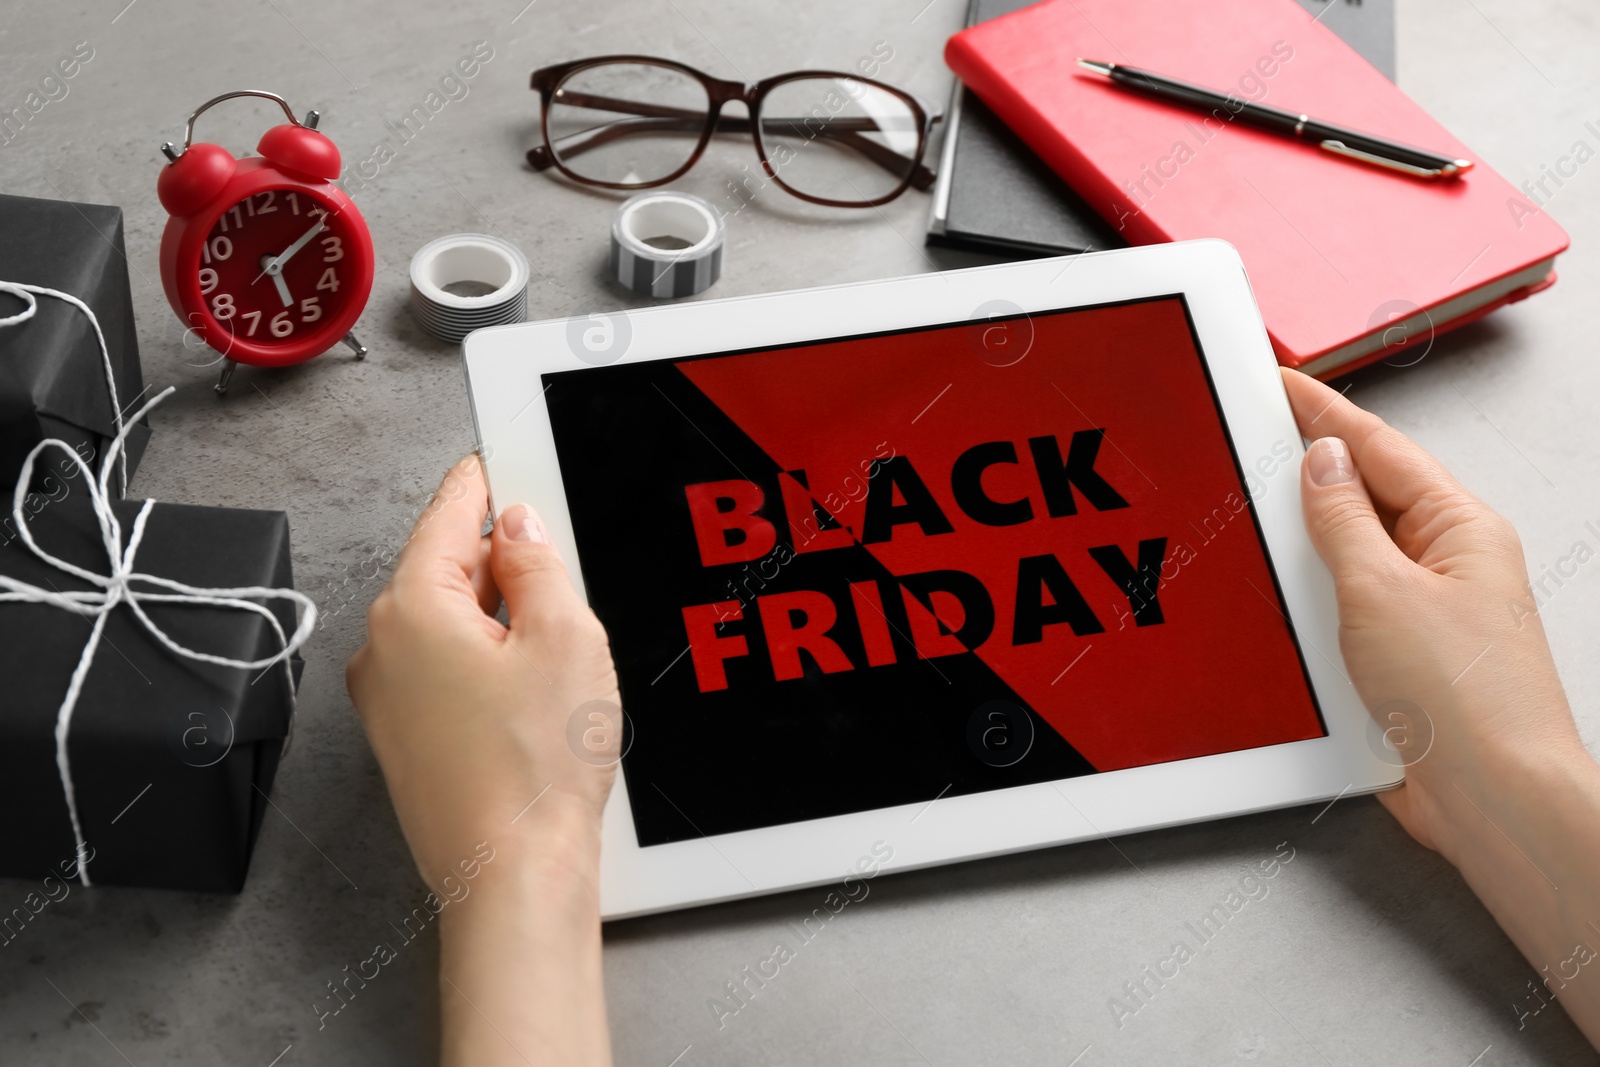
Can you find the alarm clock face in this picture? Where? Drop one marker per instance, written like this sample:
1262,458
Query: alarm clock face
274,268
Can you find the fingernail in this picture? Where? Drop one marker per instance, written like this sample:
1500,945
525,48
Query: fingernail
1329,460
521,523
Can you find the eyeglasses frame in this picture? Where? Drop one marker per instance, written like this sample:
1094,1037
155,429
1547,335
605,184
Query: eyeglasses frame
719,92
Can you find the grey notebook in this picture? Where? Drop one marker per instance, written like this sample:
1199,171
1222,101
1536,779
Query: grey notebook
995,195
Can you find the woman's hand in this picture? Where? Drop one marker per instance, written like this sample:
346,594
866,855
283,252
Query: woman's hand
1437,623
469,720
468,717
1441,636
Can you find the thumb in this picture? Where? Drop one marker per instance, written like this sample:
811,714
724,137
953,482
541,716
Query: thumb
1339,514
529,572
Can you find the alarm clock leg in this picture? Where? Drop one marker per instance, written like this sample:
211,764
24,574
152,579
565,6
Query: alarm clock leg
228,366
355,345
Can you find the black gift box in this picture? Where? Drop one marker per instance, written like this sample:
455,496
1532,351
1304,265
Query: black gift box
172,759
52,377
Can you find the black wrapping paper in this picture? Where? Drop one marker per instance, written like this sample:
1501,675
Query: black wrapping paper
172,759
52,379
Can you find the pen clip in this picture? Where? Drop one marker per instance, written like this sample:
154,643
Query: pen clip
1339,148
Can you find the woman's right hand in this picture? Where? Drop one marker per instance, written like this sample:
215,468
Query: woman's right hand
1437,623
1441,635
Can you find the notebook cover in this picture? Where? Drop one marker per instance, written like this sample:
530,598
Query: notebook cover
1329,244
1004,199
996,195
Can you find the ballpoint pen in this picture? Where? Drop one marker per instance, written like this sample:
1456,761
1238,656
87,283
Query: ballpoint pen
1341,140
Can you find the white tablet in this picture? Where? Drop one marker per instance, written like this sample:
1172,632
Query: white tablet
923,570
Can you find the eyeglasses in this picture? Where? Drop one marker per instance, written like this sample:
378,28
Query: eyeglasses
635,122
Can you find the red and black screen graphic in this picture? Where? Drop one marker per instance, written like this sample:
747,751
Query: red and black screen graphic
877,570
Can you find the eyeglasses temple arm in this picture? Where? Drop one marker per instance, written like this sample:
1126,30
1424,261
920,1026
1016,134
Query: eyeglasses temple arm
846,130
540,158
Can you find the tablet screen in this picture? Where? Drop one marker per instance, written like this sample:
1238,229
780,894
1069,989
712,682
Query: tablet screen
879,570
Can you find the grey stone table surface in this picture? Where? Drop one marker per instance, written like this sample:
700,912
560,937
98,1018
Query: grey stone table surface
1367,949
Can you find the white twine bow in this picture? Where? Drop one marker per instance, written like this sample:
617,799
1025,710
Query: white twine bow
126,586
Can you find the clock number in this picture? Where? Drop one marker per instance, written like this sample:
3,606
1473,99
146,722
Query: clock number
310,310
267,206
222,306
255,320
333,249
294,202
238,217
216,248
282,324
330,281
208,280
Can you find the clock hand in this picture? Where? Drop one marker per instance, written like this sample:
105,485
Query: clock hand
274,266
283,288
304,239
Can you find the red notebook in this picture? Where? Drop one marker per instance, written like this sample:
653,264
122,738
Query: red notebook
1343,256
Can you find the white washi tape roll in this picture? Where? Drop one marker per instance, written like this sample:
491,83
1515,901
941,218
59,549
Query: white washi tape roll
467,281
666,244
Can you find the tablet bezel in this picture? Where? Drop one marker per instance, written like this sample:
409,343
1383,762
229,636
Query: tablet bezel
503,367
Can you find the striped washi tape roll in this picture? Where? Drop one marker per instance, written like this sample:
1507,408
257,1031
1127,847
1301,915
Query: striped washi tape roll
467,281
666,244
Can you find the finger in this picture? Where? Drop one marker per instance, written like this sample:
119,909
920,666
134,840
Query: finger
355,677
529,573
448,530
1397,472
483,586
1401,804
1339,515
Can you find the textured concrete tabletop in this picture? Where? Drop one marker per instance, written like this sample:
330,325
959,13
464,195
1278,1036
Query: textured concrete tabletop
1367,949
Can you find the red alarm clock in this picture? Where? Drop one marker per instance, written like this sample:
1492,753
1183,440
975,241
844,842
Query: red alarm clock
264,258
